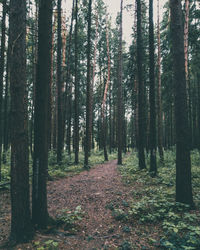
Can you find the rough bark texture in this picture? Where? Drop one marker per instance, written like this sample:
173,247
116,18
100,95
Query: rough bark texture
89,105
43,78
152,137
159,100
59,87
119,93
103,108
76,101
183,162
69,87
21,229
2,62
141,108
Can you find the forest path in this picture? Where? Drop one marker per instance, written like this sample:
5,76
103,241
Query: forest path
98,191
94,190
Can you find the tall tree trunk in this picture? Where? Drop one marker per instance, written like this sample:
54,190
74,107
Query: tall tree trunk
6,105
119,93
183,162
89,108
2,64
76,101
68,95
21,229
159,100
59,86
51,107
43,78
152,137
141,108
103,109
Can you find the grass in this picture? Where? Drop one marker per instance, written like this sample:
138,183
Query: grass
66,168
154,203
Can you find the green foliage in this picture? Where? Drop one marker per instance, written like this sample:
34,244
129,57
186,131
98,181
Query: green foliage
119,214
69,219
67,167
154,202
47,245
126,245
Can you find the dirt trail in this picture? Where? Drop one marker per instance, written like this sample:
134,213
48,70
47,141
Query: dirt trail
94,190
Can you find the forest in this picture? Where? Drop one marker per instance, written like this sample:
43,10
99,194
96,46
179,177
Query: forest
99,136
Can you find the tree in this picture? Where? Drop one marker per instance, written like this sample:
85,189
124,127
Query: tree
141,108
153,166
21,229
159,100
103,109
183,162
119,93
43,78
2,62
89,104
76,101
59,87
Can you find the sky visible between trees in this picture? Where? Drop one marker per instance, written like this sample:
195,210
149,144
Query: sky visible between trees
113,9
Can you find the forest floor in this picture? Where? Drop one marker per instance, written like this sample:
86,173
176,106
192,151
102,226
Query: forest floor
87,200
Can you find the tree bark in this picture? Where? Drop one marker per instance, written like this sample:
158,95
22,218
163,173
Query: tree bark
159,100
43,78
183,162
152,136
89,106
141,108
59,87
21,229
119,92
76,101
2,64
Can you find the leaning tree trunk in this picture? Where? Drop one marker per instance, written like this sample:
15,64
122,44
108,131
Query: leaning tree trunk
43,78
141,108
183,162
21,229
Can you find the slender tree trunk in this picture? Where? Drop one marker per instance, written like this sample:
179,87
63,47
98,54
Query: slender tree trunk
51,108
119,93
141,108
43,78
59,86
152,137
21,229
68,94
6,105
2,64
103,109
183,162
159,100
89,108
76,101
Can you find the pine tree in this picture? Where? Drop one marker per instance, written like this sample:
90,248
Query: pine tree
21,229
43,78
183,162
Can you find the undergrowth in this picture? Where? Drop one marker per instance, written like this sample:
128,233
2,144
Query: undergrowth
154,202
66,168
